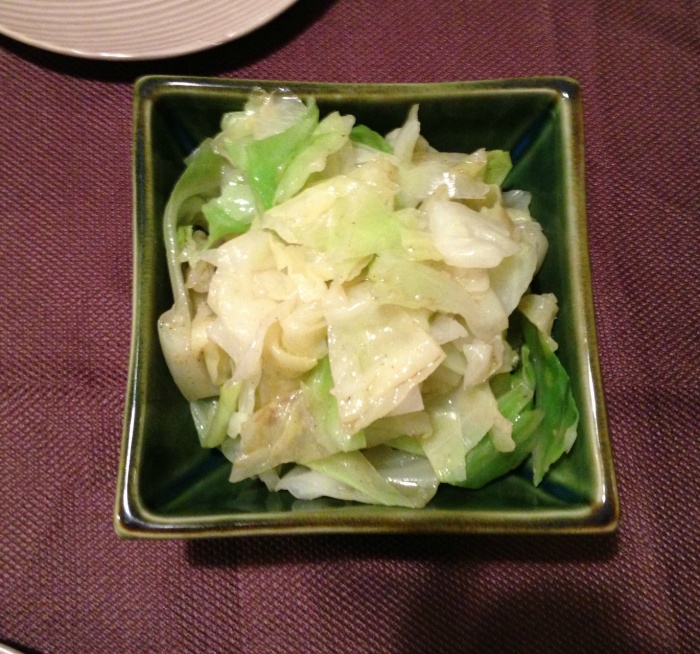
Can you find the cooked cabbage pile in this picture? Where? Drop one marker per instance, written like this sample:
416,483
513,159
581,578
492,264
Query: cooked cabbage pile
352,313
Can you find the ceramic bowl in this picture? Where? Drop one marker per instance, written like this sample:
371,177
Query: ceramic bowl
120,30
170,487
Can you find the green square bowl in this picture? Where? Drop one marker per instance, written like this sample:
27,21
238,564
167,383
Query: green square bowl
169,487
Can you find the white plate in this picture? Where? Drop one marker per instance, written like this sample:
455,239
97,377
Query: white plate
133,29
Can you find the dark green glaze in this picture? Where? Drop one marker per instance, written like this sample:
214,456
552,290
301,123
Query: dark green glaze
170,487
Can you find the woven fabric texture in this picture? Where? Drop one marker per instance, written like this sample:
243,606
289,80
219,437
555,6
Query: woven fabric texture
69,585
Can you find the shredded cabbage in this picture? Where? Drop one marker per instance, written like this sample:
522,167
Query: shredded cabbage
352,312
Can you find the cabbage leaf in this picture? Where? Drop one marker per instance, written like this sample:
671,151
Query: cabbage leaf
344,319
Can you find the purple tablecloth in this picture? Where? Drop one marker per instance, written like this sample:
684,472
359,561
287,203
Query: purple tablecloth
69,585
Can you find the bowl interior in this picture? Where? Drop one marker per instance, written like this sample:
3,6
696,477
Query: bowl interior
170,486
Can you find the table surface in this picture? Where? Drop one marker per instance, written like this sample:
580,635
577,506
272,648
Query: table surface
69,585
